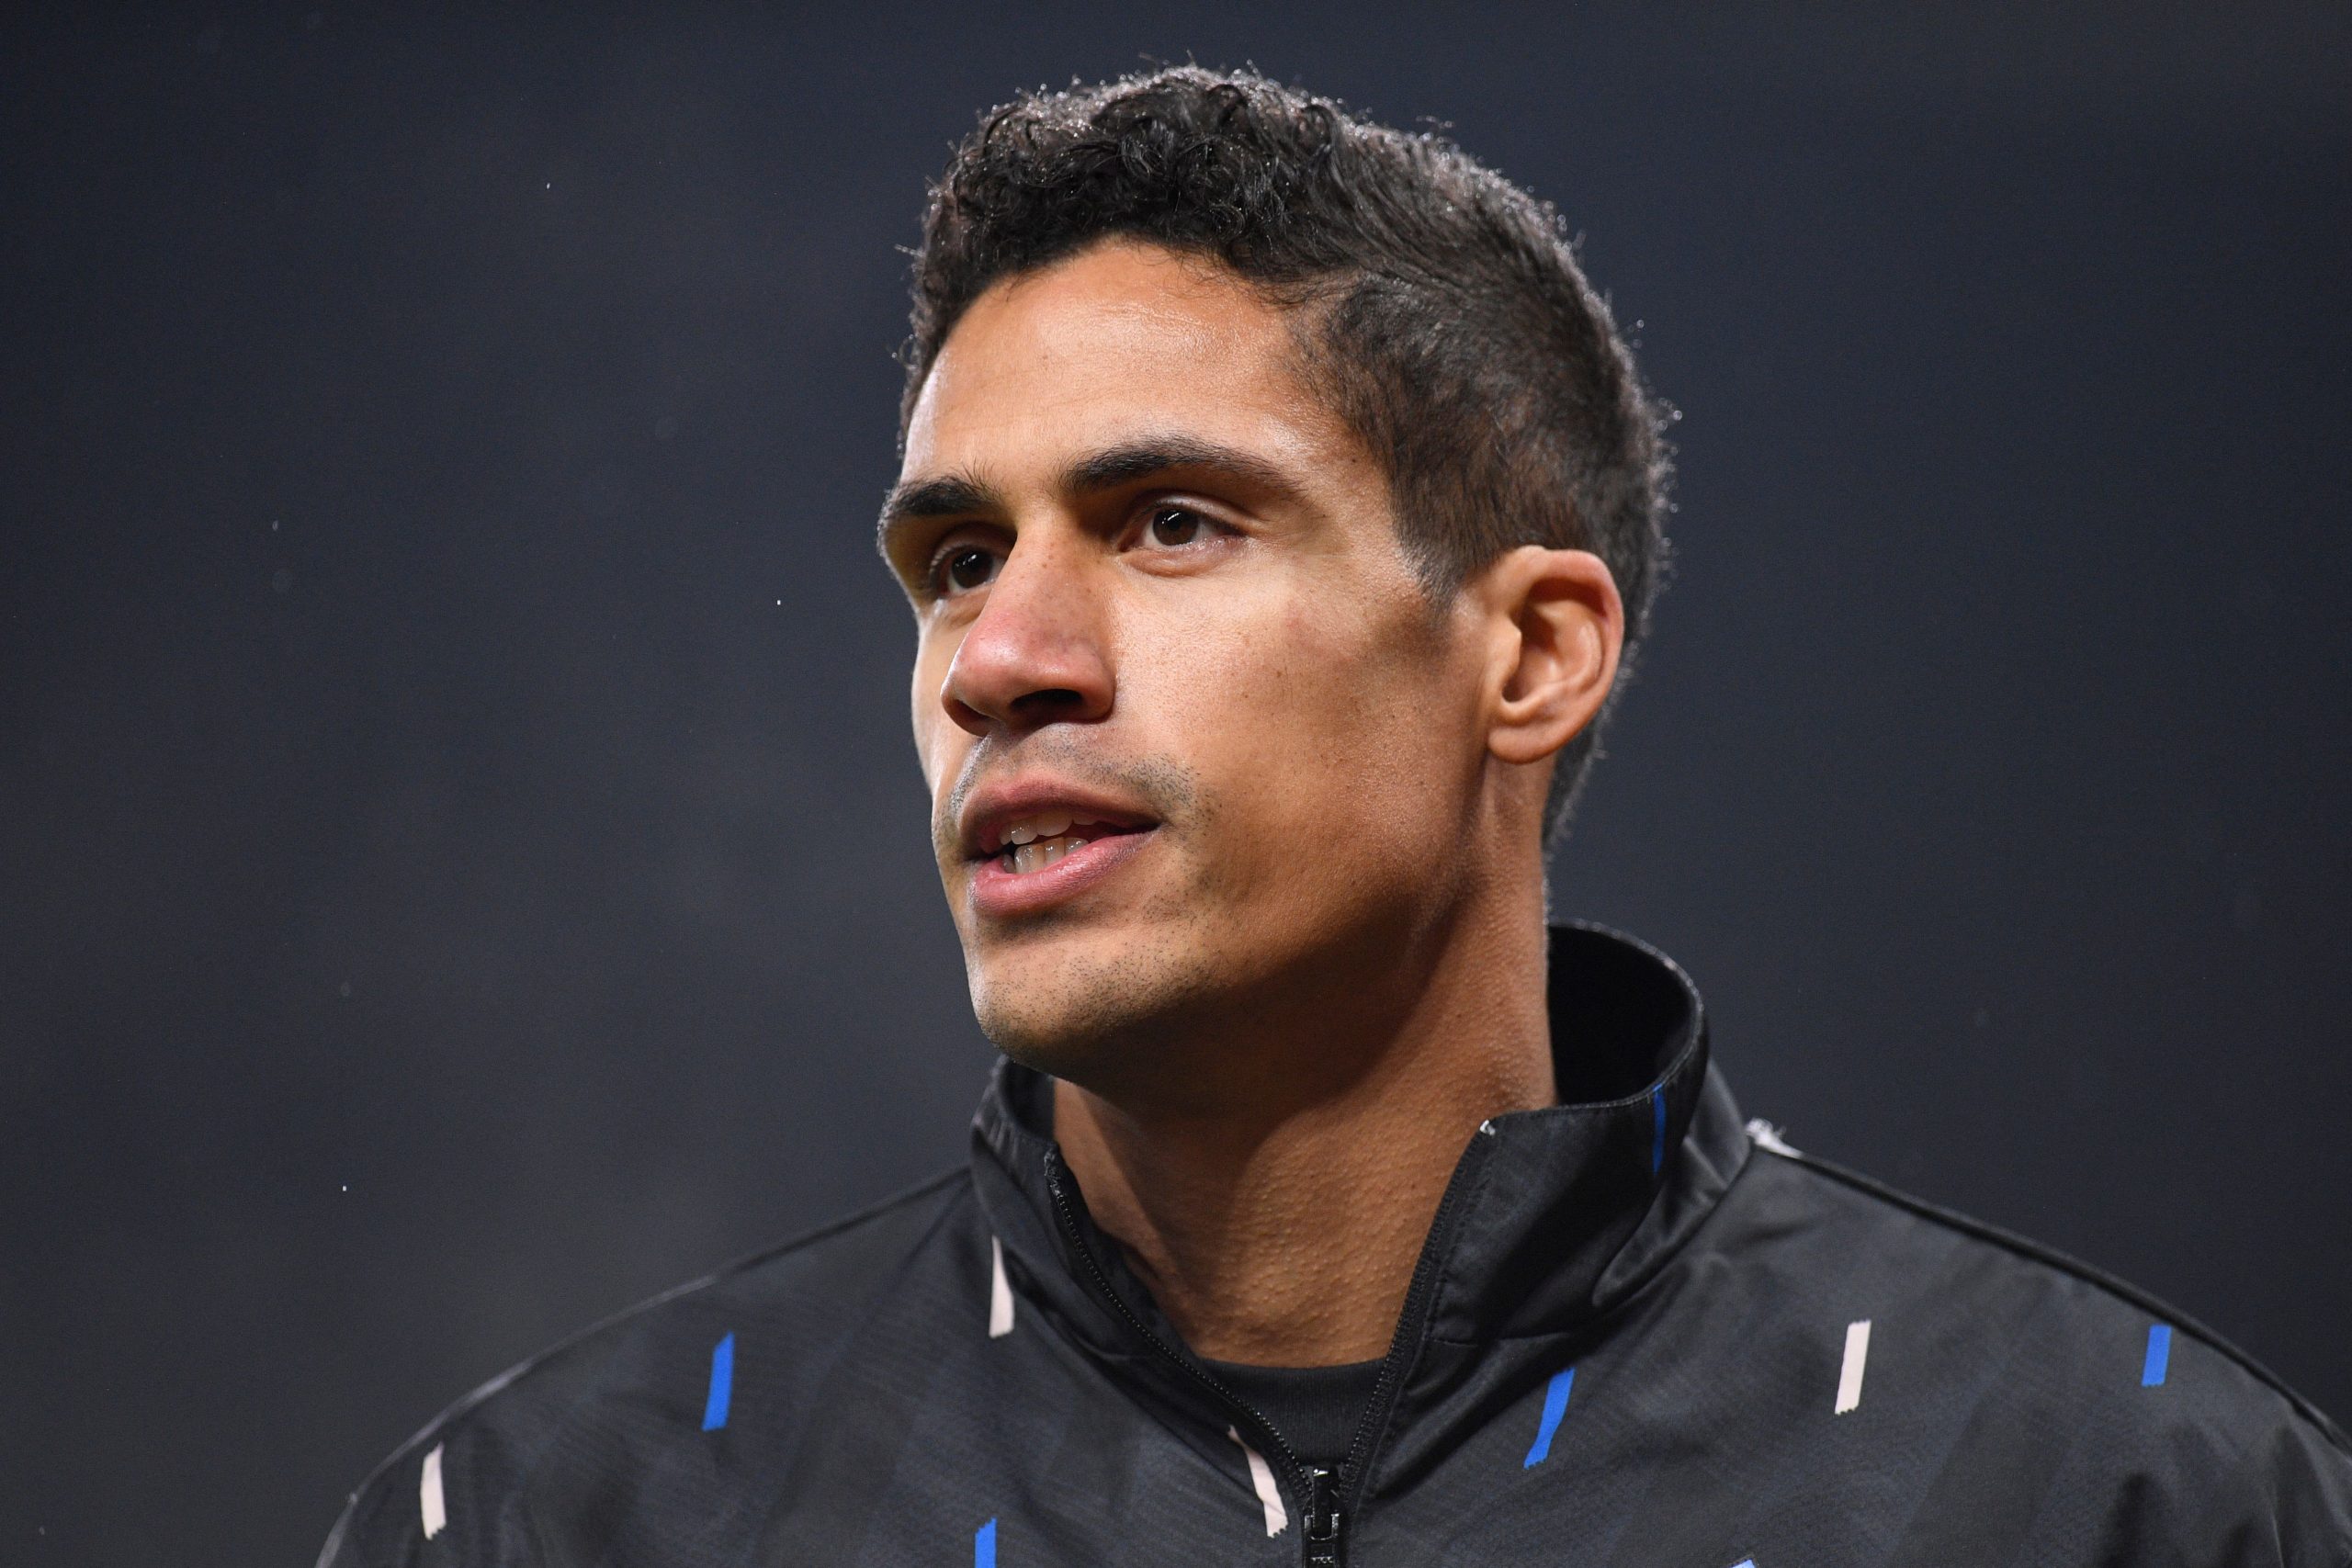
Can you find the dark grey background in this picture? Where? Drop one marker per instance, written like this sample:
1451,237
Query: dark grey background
463,862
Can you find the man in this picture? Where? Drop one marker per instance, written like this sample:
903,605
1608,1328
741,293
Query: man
1278,510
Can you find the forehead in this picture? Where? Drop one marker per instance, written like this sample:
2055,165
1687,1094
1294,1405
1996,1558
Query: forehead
1121,338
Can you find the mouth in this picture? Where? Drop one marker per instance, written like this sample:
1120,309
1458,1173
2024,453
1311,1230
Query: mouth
1034,845
1030,844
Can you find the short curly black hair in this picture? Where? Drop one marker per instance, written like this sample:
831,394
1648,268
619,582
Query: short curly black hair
1439,308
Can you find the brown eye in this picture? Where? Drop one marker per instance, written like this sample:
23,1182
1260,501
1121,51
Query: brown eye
969,567
1174,525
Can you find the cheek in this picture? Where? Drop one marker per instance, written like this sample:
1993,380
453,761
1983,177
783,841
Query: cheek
1331,738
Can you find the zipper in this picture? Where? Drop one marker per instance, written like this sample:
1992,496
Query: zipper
1320,1534
1311,1484
1354,1470
1328,1499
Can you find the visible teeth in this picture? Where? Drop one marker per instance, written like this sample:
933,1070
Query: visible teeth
1036,828
1030,855
1030,829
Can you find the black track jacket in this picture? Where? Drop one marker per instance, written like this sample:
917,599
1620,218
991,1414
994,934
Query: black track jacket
1639,1332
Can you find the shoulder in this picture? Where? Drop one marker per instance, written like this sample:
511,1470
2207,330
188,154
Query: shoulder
592,1400
2117,1405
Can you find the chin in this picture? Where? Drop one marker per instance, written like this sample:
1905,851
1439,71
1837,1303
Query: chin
1055,1023
1082,1017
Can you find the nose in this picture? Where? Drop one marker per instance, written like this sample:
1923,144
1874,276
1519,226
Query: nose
1035,654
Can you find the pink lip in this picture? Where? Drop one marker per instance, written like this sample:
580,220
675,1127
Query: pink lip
1002,892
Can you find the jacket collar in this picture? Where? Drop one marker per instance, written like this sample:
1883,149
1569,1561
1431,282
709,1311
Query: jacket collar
1554,1216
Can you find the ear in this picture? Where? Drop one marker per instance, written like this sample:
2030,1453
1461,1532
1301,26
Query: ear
1555,628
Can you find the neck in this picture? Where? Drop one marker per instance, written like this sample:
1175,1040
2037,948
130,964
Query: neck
1282,1229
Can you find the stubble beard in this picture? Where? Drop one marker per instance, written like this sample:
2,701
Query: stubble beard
1102,1021
1103,1014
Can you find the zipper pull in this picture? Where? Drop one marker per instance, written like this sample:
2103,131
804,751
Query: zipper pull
1322,1532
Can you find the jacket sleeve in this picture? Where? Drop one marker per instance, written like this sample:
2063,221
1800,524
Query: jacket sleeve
448,1497
2303,1498
2285,1502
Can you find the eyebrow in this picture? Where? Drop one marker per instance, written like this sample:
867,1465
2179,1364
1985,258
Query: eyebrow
949,495
1142,459
962,494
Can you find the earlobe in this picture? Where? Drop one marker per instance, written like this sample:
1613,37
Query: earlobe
1559,629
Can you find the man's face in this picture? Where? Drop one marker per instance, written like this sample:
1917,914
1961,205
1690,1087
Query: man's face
1193,731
